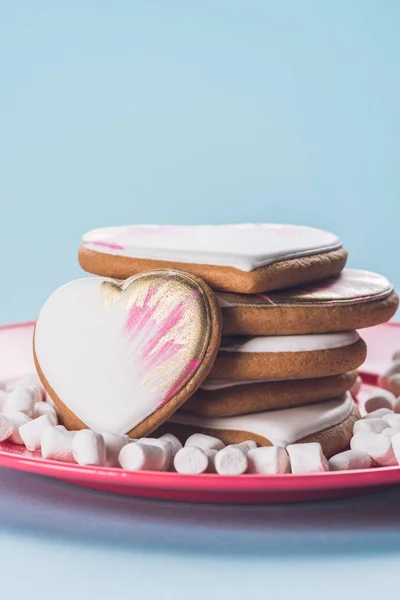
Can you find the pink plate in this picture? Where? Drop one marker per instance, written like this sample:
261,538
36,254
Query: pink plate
16,361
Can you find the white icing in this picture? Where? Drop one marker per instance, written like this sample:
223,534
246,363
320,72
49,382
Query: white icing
290,343
219,384
280,427
244,246
351,286
100,372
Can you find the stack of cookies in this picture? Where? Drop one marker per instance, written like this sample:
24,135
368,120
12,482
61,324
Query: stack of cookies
290,315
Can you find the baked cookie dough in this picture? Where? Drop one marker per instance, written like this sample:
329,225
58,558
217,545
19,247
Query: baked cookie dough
289,357
330,423
121,358
229,397
354,300
247,258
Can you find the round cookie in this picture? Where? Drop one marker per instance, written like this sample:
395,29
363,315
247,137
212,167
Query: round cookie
121,358
353,300
224,398
289,357
247,258
330,423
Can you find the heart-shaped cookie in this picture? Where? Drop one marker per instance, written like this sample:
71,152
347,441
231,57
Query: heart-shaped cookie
122,357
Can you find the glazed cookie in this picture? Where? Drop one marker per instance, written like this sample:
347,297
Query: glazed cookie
289,357
353,300
246,258
224,398
330,423
121,358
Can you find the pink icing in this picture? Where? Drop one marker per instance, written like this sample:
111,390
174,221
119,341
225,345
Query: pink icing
156,348
108,245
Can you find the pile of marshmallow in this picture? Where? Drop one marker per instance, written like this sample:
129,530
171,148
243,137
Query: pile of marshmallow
26,418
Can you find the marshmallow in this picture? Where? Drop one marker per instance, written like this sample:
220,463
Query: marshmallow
192,460
21,399
396,356
56,443
269,460
88,448
396,446
6,428
350,460
166,445
43,408
3,399
378,414
114,444
377,445
17,419
231,460
142,457
3,385
307,458
356,387
380,399
393,384
392,419
175,443
205,442
394,369
391,431
31,433
375,425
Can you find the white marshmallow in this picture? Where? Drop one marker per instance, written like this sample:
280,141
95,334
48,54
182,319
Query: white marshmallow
31,433
205,442
231,461
43,408
6,428
88,448
17,419
21,399
378,414
393,384
142,457
391,431
3,400
392,419
396,446
166,445
307,458
380,399
114,444
350,460
394,369
375,425
356,387
377,445
192,460
175,443
268,460
56,444
246,446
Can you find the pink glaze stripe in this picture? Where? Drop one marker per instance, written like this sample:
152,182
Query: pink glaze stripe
108,245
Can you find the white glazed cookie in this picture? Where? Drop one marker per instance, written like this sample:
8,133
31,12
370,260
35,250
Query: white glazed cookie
289,356
353,300
330,423
242,258
121,358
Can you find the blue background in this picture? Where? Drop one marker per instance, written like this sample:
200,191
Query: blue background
193,112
